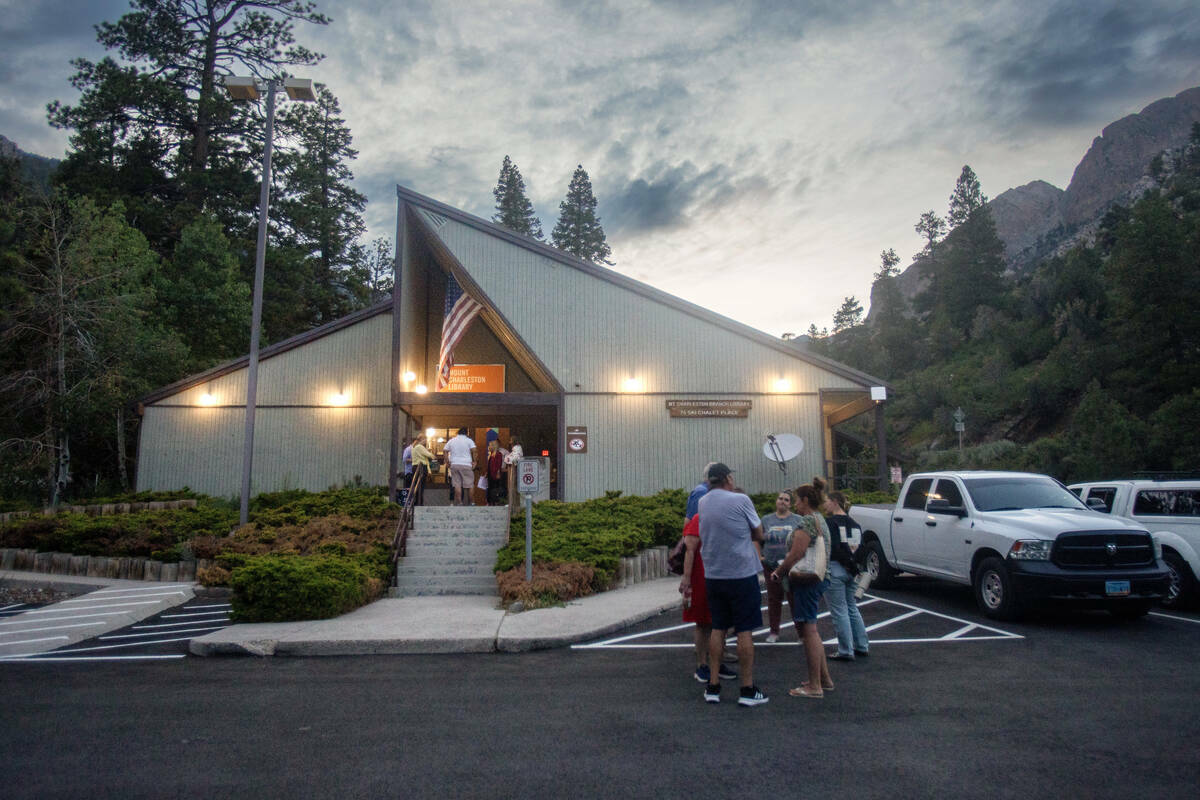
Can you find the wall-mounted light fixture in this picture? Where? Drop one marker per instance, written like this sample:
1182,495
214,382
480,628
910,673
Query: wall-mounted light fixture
339,399
409,376
422,388
429,432
633,385
207,399
783,385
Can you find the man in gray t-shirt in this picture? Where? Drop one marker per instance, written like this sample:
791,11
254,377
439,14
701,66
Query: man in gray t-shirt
730,535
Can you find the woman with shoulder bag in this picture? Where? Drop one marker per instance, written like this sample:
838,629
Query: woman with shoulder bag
804,591
843,608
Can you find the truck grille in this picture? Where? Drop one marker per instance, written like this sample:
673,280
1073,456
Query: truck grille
1092,549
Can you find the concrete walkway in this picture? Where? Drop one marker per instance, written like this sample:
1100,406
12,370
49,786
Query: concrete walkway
103,605
446,624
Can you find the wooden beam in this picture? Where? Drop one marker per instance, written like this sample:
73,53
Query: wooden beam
849,411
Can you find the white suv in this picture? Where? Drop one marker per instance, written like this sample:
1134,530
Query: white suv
1170,510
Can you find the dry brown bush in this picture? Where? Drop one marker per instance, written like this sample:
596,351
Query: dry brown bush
213,576
552,584
358,535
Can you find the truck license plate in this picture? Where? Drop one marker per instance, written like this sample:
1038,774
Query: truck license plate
1116,588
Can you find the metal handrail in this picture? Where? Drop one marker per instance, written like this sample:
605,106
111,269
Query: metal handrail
400,540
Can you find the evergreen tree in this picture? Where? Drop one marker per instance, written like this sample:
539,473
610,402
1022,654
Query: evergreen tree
319,216
889,265
378,264
849,315
578,229
932,228
967,197
167,103
513,209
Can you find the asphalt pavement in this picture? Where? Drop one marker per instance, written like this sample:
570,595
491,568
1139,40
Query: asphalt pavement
1065,705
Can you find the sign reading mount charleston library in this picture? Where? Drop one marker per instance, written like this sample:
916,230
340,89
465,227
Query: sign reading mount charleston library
697,409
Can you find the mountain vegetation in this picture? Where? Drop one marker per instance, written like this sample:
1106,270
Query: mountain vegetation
128,265
1086,366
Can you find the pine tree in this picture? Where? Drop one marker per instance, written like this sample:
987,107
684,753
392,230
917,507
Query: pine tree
967,197
513,209
578,229
889,265
848,316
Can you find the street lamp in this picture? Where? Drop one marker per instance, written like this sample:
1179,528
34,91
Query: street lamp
240,88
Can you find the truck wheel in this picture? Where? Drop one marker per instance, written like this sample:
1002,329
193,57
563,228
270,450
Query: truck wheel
882,573
994,592
1181,586
1130,609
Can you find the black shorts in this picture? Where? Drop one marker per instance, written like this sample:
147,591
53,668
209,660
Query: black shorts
734,603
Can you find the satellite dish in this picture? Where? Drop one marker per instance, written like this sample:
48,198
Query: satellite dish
782,448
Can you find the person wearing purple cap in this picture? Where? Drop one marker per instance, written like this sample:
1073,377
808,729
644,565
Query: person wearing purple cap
730,543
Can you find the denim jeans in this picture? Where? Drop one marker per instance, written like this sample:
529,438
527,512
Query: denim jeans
843,611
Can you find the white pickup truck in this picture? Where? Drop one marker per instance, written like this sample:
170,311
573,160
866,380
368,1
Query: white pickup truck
1016,538
1170,510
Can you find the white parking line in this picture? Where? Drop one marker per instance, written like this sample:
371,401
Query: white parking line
57,619
137,635
91,608
1172,616
14,605
157,588
959,634
91,599
218,605
34,657
51,628
199,614
174,624
127,644
32,641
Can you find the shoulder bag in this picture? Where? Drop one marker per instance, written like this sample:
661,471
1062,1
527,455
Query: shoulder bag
811,566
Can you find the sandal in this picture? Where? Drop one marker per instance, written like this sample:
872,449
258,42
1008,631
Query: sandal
804,691
824,688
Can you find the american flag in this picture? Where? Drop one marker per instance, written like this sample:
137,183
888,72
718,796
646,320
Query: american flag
460,310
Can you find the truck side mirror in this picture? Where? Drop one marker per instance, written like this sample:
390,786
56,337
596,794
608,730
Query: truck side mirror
1096,504
944,507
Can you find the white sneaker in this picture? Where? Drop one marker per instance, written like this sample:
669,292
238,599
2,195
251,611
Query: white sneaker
772,638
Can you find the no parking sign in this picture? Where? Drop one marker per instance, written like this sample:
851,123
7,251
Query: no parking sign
528,476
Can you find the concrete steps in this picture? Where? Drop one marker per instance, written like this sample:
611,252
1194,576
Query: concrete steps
451,551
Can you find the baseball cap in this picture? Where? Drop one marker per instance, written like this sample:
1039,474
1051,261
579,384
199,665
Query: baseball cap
718,472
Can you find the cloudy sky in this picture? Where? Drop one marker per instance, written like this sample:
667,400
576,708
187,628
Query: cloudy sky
753,157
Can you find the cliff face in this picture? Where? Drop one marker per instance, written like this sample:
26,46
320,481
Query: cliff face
1038,219
1118,157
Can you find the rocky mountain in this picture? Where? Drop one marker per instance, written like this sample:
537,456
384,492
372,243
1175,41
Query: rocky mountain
1038,219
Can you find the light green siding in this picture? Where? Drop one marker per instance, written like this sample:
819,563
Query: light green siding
294,448
634,446
300,441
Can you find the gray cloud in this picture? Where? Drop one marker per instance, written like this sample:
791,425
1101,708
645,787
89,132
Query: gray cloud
1071,64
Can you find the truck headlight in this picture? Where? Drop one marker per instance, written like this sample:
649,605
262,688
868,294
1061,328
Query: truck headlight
1031,550
1157,548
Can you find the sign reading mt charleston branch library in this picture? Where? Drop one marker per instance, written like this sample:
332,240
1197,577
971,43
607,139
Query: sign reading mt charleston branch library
697,409
475,378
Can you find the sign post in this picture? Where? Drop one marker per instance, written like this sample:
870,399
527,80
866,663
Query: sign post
960,425
528,484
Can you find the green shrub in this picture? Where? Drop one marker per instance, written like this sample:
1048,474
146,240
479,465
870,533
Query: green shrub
282,588
137,535
296,507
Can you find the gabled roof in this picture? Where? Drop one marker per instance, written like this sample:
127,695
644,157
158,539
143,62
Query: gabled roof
242,362
541,248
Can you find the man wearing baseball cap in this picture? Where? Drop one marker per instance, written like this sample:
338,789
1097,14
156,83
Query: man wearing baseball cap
730,544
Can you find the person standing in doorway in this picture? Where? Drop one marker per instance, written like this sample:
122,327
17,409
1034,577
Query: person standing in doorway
460,460
421,458
406,459
776,529
730,541
497,486
514,456
843,568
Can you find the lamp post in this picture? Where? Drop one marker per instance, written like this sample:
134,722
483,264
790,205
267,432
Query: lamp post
249,89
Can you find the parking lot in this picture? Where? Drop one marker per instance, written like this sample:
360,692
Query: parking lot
1063,704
